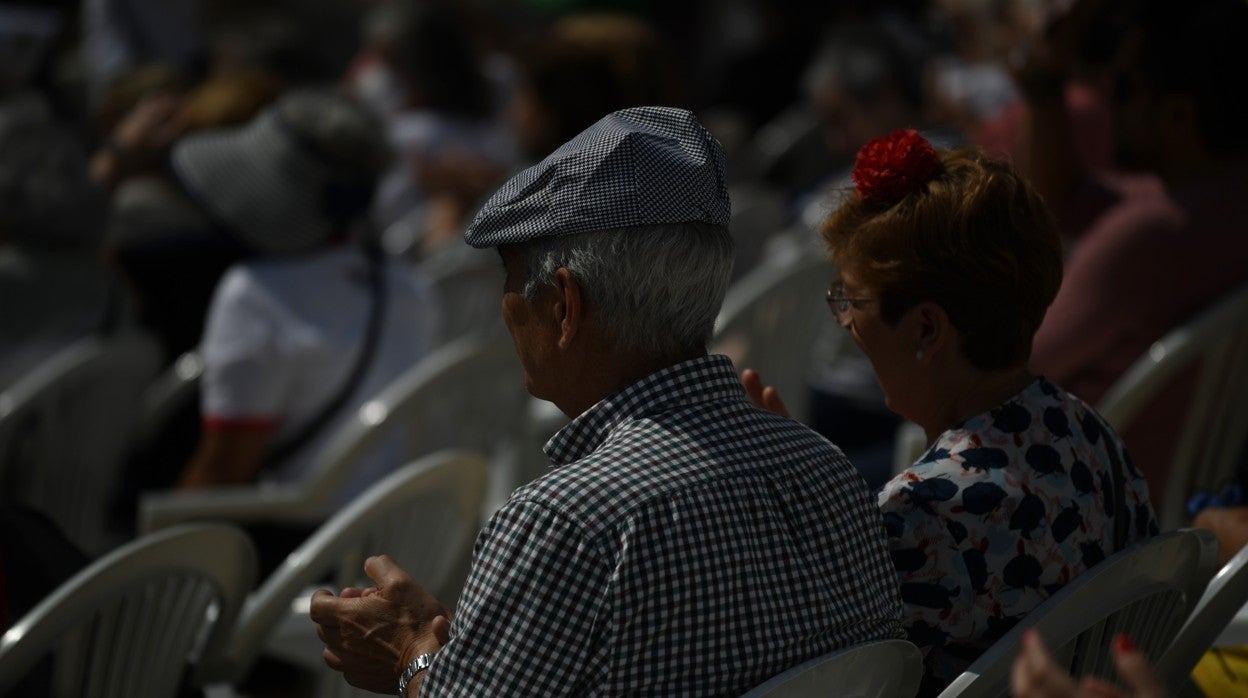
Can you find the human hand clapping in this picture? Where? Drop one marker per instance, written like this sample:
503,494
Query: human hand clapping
372,634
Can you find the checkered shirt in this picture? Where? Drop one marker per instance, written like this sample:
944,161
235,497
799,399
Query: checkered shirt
686,543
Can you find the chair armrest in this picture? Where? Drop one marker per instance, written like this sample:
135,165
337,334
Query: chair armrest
236,503
1236,632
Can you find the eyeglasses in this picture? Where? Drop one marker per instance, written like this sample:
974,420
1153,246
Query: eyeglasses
840,304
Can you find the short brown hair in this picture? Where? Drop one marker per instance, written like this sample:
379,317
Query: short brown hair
976,239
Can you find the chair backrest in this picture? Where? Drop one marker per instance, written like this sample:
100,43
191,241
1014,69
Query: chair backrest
880,668
468,394
470,293
425,515
170,393
1146,591
65,428
132,622
770,318
1223,598
1213,433
759,213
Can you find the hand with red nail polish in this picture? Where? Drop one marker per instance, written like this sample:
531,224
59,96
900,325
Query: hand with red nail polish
1036,675
1134,668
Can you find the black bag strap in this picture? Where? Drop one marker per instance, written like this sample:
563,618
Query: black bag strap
1122,518
372,334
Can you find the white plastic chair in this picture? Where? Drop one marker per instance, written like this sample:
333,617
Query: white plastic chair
131,623
173,390
759,213
769,321
1214,431
881,668
468,394
470,288
65,428
1146,591
1223,598
425,515
908,446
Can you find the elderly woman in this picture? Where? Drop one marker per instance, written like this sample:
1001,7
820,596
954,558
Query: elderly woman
947,261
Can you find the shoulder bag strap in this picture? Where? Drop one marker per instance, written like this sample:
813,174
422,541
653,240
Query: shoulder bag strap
372,333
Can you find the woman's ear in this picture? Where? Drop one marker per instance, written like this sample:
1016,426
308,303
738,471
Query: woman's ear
933,330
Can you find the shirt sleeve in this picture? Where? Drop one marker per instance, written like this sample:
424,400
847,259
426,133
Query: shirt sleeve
246,375
931,549
531,619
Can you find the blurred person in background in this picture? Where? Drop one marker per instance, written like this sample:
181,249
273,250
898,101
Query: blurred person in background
585,65
1162,239
1059,59
54,287
316,320
121,35
167,250
421,72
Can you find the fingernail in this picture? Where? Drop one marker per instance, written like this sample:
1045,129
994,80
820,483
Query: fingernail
1124,643
1098,689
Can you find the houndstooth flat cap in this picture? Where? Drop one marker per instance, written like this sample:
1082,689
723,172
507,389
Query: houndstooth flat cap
634,167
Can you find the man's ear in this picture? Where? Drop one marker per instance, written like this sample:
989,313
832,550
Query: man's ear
570,308
934,331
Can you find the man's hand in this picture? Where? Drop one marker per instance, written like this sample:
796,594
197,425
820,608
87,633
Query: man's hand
765,397
372,634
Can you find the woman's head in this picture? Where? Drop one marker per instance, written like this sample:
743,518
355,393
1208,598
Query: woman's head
955,228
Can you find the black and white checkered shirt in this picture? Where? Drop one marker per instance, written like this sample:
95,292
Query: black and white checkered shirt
688,543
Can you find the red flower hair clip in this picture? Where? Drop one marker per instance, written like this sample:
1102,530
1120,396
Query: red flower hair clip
890,167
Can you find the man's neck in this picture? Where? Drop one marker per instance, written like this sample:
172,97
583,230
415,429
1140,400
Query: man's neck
605,371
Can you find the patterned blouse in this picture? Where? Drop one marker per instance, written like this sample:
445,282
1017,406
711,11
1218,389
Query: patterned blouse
1000,512
686,543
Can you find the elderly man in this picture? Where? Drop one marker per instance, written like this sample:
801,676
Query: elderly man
686,542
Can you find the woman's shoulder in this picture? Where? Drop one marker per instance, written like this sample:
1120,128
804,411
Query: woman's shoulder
1041,414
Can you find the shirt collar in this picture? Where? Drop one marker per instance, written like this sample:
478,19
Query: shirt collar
690,382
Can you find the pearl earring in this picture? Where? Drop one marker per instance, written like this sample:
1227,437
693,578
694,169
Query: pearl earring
918,354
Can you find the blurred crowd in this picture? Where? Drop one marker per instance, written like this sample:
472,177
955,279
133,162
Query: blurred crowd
102,229
110,222
467,92
276,184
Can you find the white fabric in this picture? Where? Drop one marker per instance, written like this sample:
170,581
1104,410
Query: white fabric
283,335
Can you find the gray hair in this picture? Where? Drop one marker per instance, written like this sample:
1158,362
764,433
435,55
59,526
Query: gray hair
656,290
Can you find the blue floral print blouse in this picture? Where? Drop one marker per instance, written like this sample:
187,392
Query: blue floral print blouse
1000,512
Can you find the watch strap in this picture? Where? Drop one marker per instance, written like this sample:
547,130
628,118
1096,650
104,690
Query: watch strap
418,665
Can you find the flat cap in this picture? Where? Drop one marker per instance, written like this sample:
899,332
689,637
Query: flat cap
634,167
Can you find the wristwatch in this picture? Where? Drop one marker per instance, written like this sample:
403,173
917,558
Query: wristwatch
418,665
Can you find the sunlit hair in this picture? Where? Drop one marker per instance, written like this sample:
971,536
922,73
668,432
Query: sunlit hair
976,239
656,290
